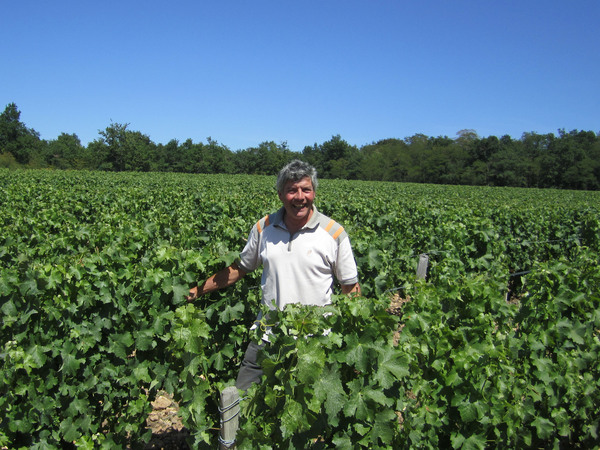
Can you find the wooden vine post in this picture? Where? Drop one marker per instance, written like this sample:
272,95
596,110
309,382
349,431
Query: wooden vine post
422,267
230,410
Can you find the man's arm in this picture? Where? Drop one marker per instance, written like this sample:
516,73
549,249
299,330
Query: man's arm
222,279
351,288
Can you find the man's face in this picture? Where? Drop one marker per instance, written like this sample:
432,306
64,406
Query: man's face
297,198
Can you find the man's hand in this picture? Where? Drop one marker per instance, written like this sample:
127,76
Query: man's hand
193,294
225,277
353,289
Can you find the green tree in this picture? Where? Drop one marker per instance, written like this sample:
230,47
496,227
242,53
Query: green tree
483,149
444,162
418,147
338,156
534,148
188,161
582,175
166,157
220,158
15,137
190,157
476,174
266,159
480,151
314,156
119,149
334,158
572,152
386,160
66,152
508,168
594,156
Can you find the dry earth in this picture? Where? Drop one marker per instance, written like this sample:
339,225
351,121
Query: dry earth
395,308
168,431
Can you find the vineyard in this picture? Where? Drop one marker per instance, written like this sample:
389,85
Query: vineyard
499,347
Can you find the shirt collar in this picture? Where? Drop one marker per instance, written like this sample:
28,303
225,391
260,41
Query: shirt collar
312,223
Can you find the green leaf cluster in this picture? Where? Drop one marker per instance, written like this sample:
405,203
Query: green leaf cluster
484,371
331,378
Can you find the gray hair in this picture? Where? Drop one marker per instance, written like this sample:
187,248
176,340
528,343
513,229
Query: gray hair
296,171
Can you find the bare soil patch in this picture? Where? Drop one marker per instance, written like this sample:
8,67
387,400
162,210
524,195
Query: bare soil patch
167,428
395,308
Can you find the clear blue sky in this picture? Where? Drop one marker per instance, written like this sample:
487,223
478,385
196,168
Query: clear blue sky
245,72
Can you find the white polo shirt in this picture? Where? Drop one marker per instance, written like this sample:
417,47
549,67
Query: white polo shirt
299,267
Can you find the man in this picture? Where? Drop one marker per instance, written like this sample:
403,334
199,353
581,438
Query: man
301,250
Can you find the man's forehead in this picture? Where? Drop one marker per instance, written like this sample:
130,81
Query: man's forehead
302,182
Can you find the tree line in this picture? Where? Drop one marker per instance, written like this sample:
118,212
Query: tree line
567,160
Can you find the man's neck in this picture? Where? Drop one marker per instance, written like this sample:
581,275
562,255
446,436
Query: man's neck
294,226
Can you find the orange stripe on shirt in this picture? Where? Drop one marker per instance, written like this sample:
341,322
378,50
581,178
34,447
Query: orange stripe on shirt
338,232
258,225
329,225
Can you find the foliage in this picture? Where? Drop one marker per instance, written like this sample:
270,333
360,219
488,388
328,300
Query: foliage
570,160
512,375
94,267
15,137
332,378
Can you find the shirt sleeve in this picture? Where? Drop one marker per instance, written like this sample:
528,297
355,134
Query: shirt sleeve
249,259
345,268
